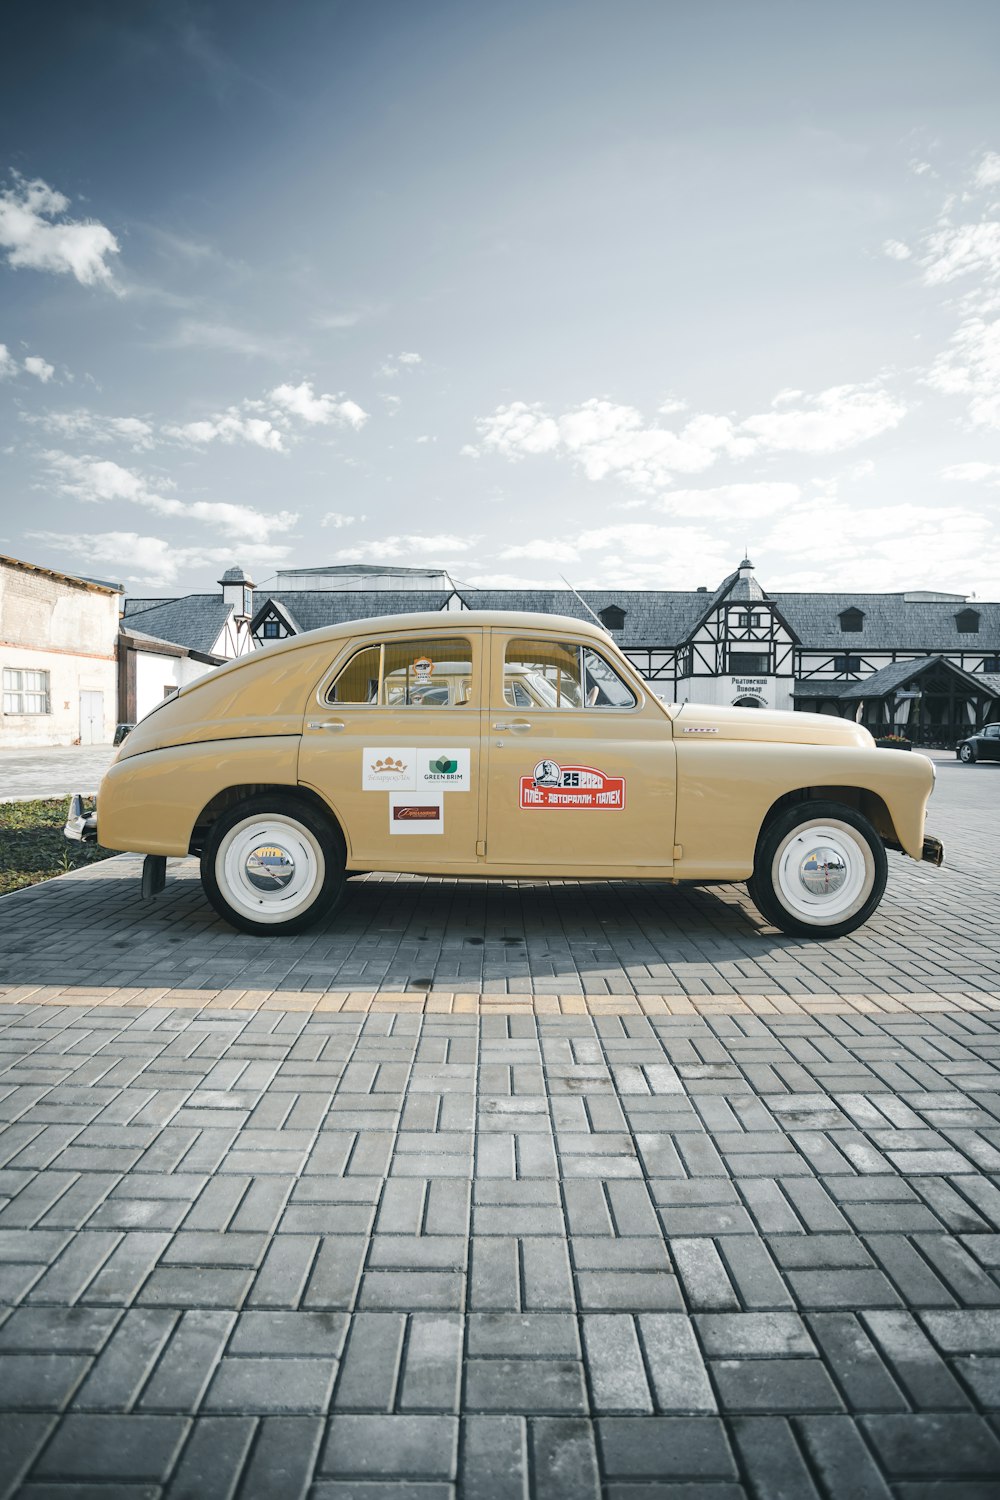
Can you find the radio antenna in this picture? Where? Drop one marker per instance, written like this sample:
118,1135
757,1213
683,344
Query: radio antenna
585,604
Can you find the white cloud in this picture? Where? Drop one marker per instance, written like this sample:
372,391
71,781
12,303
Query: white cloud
971,367
607,440
152,560
838,418
972,473
898,546
987,173
730,502
96,481
338,520
393,363
229,427
543,549
204,333
8,365
92,427
37,236
961,250
390,548
40,368
922,169
301,401
896,250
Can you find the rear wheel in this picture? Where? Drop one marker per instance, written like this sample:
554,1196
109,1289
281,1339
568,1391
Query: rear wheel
272,864
967,755
820,870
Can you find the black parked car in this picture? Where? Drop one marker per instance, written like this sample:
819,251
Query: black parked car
983,745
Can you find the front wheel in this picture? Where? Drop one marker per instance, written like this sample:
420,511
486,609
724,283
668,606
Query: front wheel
967,755
820,870
272,865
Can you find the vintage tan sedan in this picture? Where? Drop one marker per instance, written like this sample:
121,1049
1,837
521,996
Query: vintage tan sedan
498,744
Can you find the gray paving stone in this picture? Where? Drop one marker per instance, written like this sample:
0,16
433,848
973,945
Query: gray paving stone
664,1448
931,1445
389,1447
266,1386
563,1458
283,1458
112,1448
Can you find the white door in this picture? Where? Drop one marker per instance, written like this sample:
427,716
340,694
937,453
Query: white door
91,718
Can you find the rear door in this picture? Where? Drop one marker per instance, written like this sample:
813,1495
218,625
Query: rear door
392,741
580,772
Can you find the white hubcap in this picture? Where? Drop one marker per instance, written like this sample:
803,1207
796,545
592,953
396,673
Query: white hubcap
270,868
823,872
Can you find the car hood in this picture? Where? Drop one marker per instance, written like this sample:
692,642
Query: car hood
695,720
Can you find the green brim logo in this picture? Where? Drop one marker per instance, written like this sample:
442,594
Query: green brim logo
443,766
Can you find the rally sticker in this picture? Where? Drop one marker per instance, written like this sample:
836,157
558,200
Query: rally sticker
387,769
421,814
552,785
445,770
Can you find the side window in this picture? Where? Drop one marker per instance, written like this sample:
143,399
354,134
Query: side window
419,673
555,674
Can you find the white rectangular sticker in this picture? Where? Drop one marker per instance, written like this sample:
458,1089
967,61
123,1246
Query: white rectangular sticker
422,813
389,768
444,770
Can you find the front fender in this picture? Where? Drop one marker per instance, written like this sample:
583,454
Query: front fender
149,803
725,790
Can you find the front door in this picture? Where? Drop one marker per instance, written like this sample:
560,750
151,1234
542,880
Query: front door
91,717
392,742
581,770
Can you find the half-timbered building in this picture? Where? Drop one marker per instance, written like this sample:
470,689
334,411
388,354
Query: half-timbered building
921,664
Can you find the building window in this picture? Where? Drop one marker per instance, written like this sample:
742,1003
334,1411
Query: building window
749,663
613,616
967,621
991,663
847,663
852,620
25,692
272,630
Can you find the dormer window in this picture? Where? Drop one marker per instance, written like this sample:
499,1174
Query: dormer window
612,616
967,621
852,620
272,630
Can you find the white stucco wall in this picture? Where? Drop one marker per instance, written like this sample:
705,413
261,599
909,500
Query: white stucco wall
69,631
773,692
155,673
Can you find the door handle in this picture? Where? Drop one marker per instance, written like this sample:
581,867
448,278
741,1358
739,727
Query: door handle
518,728
324,724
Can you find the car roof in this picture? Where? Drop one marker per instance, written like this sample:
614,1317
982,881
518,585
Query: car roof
442,625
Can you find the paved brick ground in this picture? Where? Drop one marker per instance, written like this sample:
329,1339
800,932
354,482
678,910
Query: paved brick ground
936,932
255,1254
266,1230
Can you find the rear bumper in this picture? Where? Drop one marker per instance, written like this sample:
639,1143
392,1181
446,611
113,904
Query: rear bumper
80,826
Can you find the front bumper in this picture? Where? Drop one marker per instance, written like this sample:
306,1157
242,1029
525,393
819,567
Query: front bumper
80,826
933,851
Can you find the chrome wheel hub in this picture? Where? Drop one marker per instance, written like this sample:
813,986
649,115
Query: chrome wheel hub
823,871
269,867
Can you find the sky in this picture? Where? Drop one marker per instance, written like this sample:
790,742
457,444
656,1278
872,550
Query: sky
613,293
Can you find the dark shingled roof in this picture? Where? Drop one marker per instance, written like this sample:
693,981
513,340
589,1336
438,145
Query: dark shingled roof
887,679
196,621
891,622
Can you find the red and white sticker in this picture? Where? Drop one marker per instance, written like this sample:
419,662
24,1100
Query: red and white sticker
579,787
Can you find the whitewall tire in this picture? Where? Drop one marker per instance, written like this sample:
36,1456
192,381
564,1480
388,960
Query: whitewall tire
272,864
820,870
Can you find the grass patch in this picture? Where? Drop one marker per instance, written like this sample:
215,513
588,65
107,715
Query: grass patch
33,847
